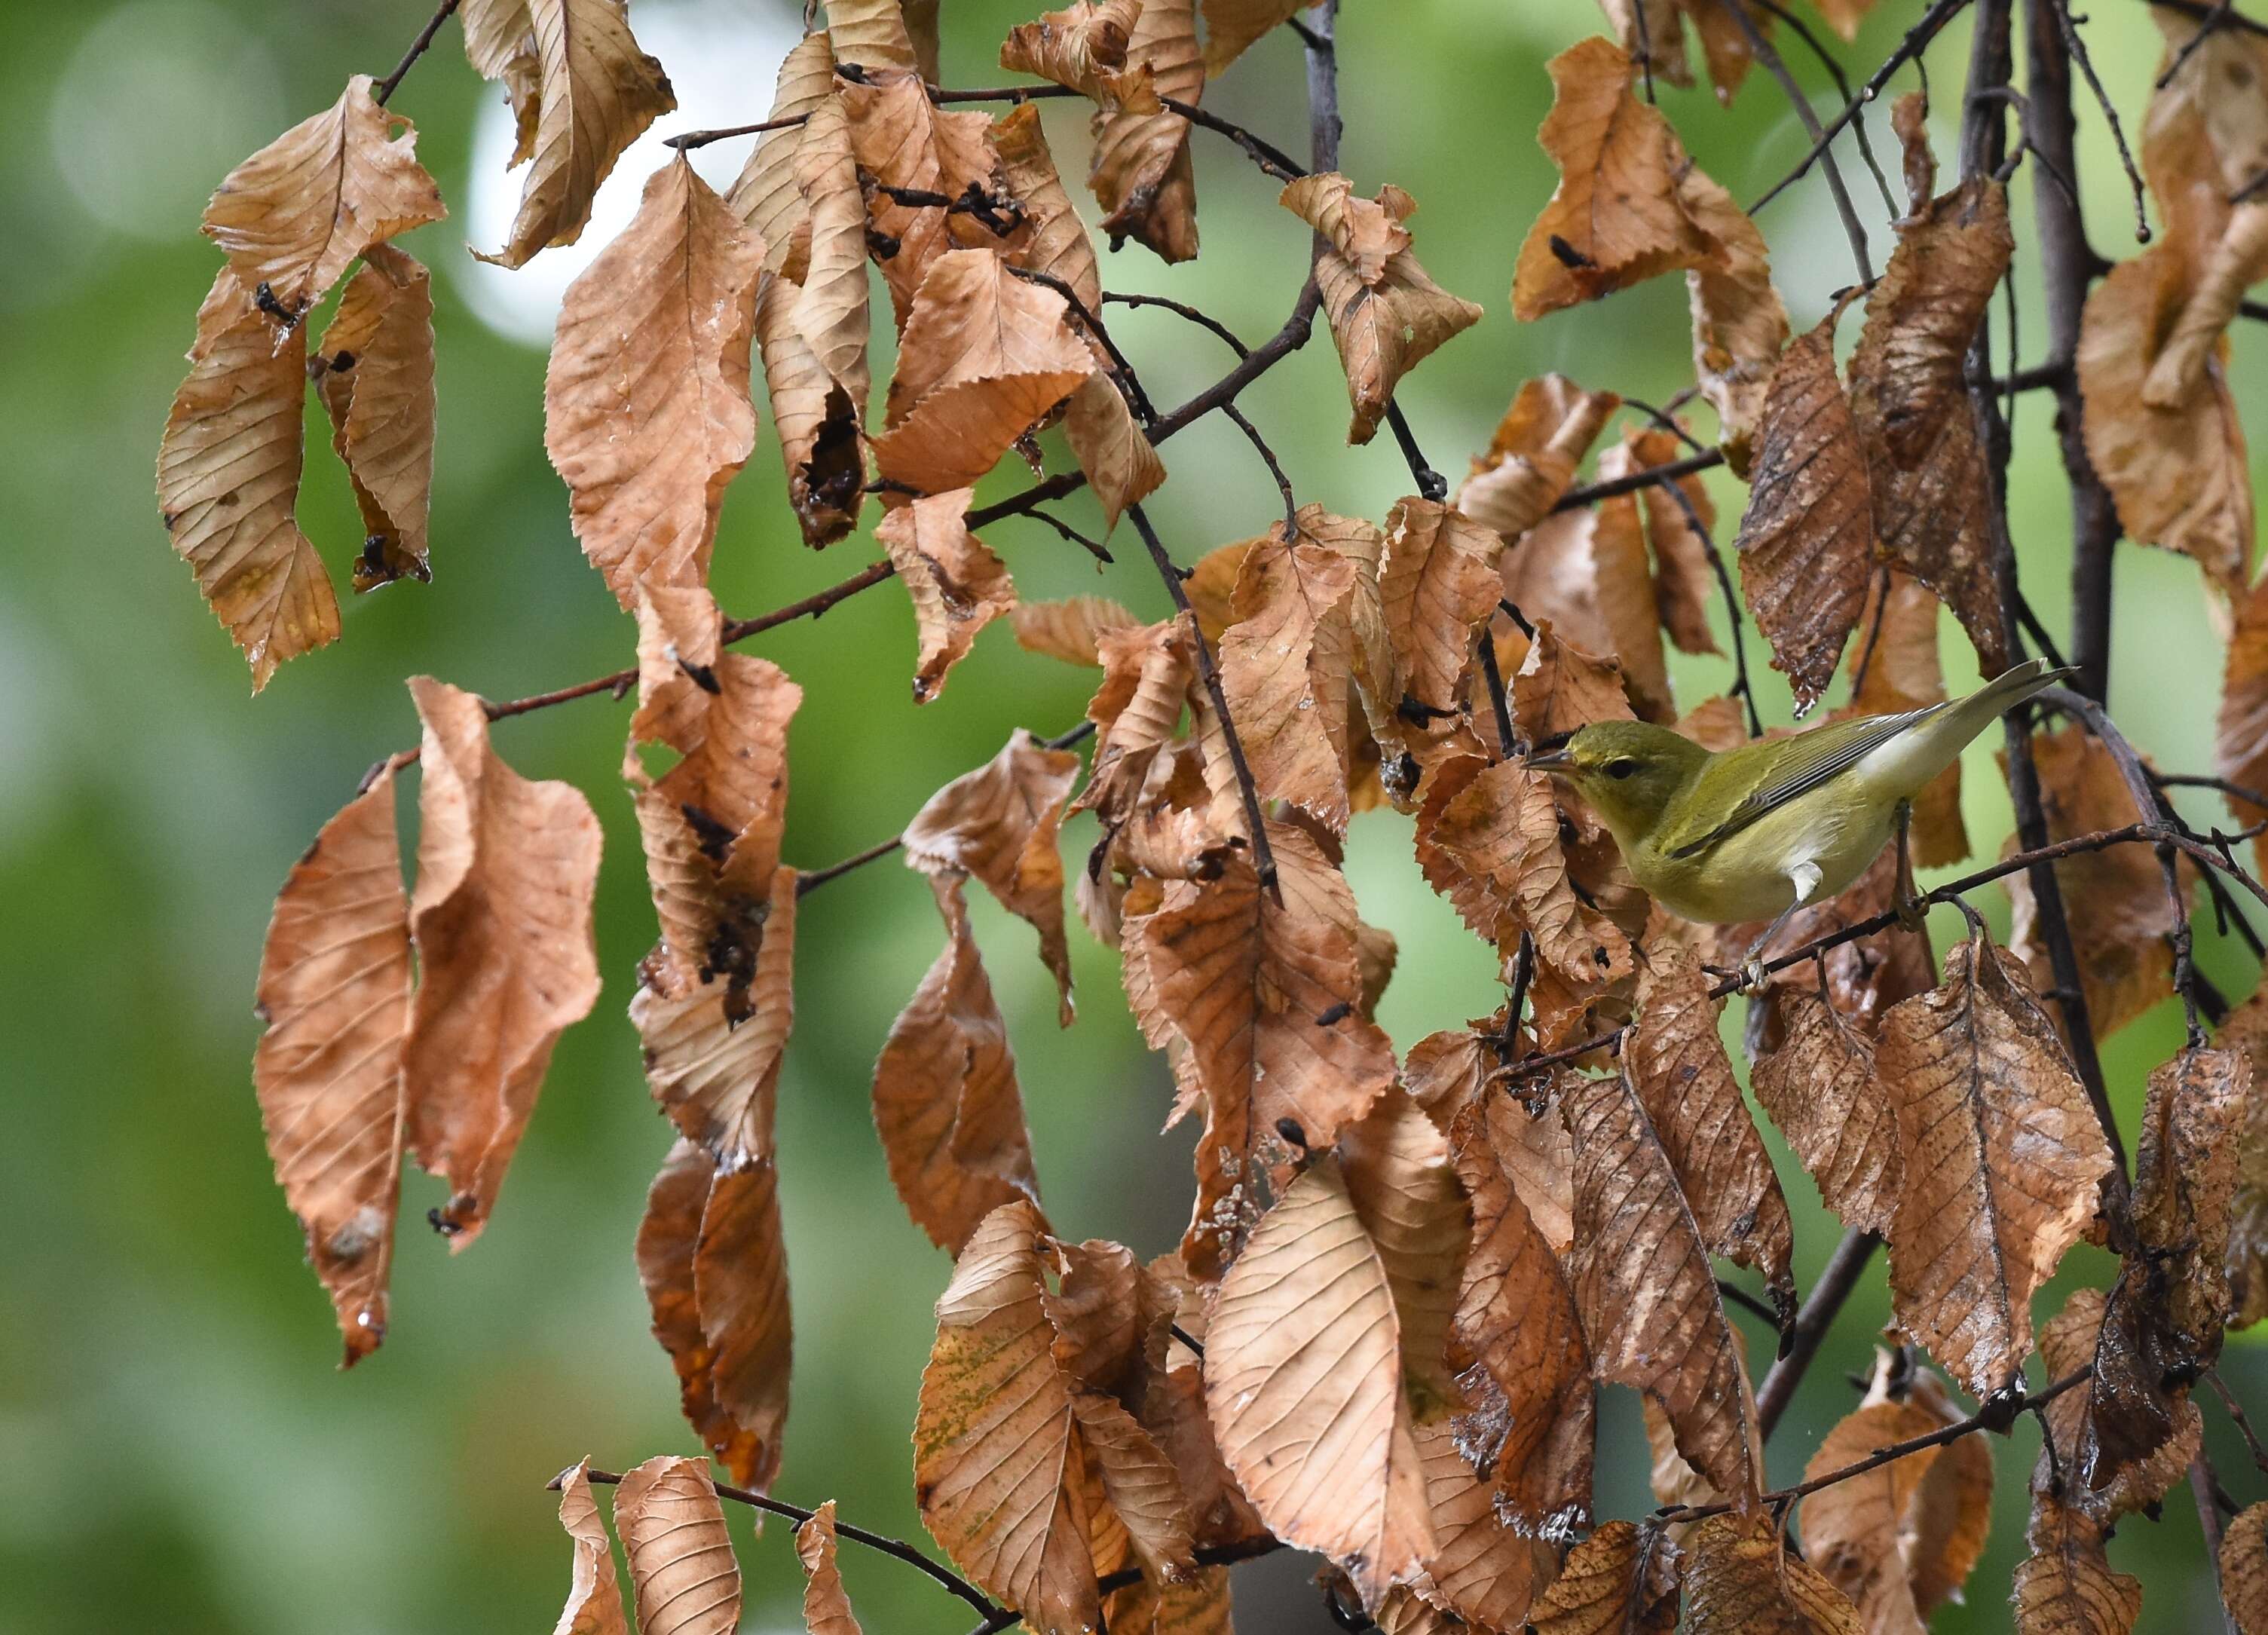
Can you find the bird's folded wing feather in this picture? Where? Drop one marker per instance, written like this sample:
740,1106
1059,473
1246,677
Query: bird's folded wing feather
1796,766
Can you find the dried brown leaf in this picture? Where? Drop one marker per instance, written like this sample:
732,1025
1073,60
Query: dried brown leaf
1910,402
1397,1166
2244,1570
2003,1159
1083,47
830,306
1385,328
375,371
1677,1065
1585,571
333,990
1684,584
1738,1580
1819,1088
765,194
905,140
999,823
816,420
826,1605
1643,1285
501,917
1147,673
956,583
1070,629
646,404
1621,1580
1806,541
228,482
2115,899
1367,233
1503,829
1232,26
1140,172
1286,667
1303,1382
1740,324
1481,1570
679,1554
594,1596
296,214
1896,667
583,91
1621,213
1437,587
1865,1532
946,1098
874,34
2065,1585
1534,454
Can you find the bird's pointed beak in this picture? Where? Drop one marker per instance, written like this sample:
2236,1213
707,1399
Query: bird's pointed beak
1550,760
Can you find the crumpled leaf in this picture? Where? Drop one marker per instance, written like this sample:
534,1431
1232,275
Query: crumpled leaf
1621,1580
817,421
830,305
1148,671
1005,1440
2087,1332
826,1605
1910,402
1437,587
2065,1585
1070,629
1819,1088
2245,1569
1286,667
1643,1285
1141,173
1367,233
2115,899
1740,324
375,371
296,214
228,482
1655,30
1083,47
1533,456
1892,1538
1243,980
501,918
946,1103
2003,1160
645,403
1481,1570
956,583
1806,539
999,823
765,194
1676,1064
1516,1318
1396,1166
583,91
905,140
1626,208
1738,1580
1684,584
1303,1380
1586,571
594,1596
713,1265
335,984
679,1553
1385,328
984,356
2163,1320
875,34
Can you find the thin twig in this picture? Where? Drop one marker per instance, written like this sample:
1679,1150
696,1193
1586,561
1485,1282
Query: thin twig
1916,42
1263,856
1762,46
1182,309
1818,47
1836,1280
1742,689
385,87
1243,423
1988,1417
1265,154
2236,1415
1645,477
2067,27
986,1607
1094,547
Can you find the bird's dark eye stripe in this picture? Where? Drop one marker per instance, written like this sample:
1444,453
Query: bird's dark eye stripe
1620,768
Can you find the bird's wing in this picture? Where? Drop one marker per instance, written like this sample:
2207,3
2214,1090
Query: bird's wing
1801,764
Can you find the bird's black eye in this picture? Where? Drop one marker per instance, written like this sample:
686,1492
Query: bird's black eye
1621,766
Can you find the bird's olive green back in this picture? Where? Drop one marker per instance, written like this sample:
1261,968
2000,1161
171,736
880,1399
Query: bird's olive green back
1740,785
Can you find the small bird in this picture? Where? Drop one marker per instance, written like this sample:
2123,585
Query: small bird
1763,829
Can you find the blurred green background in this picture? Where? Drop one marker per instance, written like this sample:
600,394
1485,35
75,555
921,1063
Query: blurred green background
185,1456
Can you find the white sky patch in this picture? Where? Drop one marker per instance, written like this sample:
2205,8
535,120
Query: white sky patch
722,57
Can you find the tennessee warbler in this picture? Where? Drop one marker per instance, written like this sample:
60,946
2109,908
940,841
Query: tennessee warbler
1765,829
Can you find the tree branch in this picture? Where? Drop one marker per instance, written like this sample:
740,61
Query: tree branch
1836,1280
385,87
1822,143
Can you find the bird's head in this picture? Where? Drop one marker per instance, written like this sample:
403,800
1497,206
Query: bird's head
1628,770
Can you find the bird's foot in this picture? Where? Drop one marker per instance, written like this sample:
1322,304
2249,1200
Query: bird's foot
1752,973
1912,912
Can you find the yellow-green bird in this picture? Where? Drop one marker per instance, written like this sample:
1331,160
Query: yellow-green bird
1760,830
